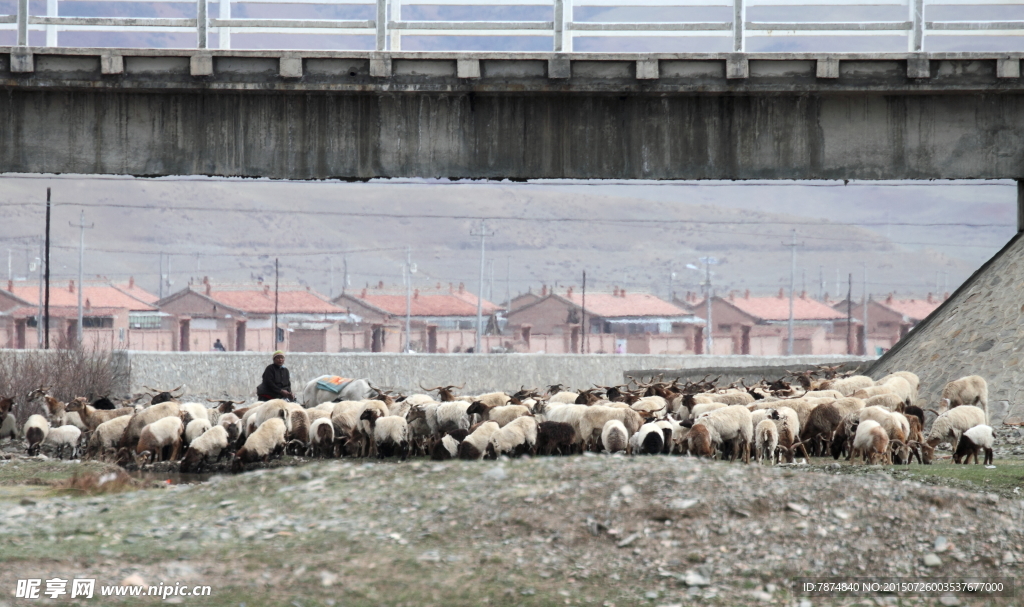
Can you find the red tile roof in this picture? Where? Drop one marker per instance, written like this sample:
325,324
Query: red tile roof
914,309
135,291
261,301
446,304
95,296
63,311
777,308
625,304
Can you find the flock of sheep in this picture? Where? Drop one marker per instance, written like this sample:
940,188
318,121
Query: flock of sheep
879,421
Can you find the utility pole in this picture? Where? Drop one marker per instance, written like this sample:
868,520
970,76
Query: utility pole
585,342
708,262
865,309
160,275
46,274
344,282
671,277
821,283
10,270
792,287
330,290
277,274
480,294
408,299
490,286
39,315
508,286
849,316
81,273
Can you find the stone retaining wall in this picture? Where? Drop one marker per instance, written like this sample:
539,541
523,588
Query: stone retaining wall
979,330
236,374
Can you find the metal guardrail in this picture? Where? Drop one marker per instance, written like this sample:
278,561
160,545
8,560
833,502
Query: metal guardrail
388,27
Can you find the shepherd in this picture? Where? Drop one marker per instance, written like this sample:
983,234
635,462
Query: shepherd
276,381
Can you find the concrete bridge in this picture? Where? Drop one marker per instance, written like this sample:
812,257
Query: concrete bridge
360,115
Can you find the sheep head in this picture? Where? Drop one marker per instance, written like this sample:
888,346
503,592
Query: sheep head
477,408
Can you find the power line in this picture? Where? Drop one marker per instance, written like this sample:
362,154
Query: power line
462,217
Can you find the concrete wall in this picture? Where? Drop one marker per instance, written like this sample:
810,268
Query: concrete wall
237,373
776,120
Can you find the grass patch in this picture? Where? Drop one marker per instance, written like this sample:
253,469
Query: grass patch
48,472
1003,479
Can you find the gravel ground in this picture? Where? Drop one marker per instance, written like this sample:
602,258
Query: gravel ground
594,530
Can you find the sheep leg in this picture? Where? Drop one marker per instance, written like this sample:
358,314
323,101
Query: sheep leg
988,456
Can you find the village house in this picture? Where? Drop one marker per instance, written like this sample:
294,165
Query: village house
760,325
241,317
889,319
444,320
620,321
113,316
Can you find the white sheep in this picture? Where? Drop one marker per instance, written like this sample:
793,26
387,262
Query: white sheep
64,436
36,429
973,440
872,442
106,436
902,388
517,437
848,385
564,397
614,436
451,445
950,425
892,402
194,411
833,394
142,418
266,441
492,399
866,393
232,424
390,434
970,390
213,442
802,406
321,437
195,429
649,407
702,408
766,441
789,417
164,432
568,414
912,379
734,426
475,445
596,416
452,416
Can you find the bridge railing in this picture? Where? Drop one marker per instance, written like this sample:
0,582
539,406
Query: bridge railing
556,25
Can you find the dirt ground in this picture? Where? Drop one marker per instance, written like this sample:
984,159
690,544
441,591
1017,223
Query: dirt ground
586,530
